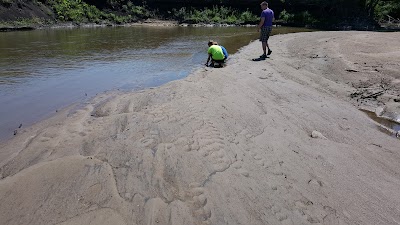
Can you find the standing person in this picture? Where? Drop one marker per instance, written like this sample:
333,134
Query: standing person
265,25
215,54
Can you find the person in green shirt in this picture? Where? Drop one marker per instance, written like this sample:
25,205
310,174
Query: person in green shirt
215,55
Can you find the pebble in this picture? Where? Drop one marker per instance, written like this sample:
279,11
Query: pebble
316,134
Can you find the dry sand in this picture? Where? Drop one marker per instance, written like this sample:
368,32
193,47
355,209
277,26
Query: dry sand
223,146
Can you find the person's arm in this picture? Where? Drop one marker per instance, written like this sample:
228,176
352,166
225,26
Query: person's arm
208,59
273,16
262,20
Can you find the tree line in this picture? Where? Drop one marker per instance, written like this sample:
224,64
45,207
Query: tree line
318,13
339,11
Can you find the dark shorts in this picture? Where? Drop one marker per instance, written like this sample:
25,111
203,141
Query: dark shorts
265,32
219,61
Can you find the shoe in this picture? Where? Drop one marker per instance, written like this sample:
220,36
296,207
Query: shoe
269,52
263,56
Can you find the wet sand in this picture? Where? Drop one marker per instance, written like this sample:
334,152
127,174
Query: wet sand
279,141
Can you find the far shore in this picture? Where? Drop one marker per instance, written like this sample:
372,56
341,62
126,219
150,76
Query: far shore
174,23
283,140
149,22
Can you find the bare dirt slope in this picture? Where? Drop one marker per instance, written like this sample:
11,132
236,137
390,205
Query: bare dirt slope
25,10
223,146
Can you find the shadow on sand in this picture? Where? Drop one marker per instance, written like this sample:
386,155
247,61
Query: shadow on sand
259,59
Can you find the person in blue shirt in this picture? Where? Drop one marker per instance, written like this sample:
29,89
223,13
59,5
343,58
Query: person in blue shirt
265,25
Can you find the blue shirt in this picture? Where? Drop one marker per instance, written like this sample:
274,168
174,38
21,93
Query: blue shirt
268,14
224,51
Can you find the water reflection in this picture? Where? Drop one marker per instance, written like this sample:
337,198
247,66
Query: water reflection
385,122
44,70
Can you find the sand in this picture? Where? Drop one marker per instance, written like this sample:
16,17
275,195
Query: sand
280,141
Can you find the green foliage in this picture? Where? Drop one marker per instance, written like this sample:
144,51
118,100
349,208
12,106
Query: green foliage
301,18
232,19
248,17
6,2
118,19
115,4
213,15
286,17
306,18
300,12
140,11
387,8
76,10
136,11
79,11
179,14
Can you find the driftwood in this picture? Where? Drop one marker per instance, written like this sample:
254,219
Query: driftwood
364,94
373,95
393,20
391,23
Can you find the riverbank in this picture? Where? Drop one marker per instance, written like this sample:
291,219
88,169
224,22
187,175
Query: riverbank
268,142
148,22
26,26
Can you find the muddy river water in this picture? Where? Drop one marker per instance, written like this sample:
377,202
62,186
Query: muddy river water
43,71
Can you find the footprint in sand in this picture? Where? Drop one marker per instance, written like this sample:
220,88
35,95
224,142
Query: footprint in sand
310,212
184,144
198,203
315,183
281,216
238,166
212,146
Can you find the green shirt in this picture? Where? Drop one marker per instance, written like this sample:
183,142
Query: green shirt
216,52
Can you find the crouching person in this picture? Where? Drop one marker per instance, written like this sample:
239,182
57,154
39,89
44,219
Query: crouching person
215,55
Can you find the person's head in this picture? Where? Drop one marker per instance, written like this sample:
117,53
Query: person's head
211,42
264,5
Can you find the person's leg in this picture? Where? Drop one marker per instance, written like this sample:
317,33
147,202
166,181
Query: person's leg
220,63
263,39
264,47
268,34
269,50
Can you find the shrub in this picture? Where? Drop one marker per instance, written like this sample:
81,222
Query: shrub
286,17
179,14
232,19
248,17
213,15
6,3
389,8
307,18
79,11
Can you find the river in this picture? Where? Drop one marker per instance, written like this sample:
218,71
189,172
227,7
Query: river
42,71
